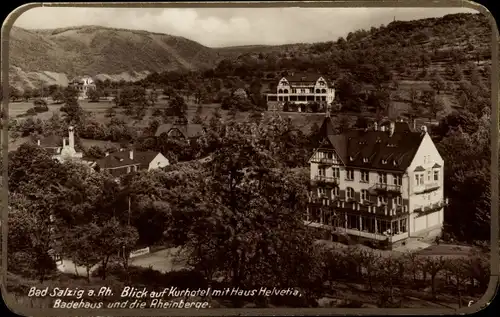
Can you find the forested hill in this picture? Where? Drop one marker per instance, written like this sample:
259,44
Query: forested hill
403,48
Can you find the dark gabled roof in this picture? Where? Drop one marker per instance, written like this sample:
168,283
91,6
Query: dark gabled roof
189,130
122,158
436,166
377,149
419,169
305,78
327,127
50,141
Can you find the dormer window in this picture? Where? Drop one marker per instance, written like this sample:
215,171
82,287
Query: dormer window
379,141
365,160
394,163
391,145
384,161
351,158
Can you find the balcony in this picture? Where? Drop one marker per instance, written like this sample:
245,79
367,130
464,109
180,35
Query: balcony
319,179
425,210
427,188
323,161
379,187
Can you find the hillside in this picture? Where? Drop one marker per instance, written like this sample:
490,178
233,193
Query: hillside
405,48
102,52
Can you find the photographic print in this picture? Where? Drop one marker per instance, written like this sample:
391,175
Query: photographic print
184,159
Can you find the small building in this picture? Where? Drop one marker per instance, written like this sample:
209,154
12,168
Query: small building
61,151
383,184
128,161
180,129
83,85
301,89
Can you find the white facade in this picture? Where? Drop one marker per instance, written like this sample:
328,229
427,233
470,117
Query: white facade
158,162
83,85
374,203
303,90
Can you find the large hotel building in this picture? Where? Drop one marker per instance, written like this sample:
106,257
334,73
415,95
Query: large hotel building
383,184
301,89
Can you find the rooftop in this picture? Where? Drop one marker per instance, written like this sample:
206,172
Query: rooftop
189,130
375,148
122,158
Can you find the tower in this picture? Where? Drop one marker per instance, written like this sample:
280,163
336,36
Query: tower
71,131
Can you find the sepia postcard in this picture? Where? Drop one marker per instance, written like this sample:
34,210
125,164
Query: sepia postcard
215,159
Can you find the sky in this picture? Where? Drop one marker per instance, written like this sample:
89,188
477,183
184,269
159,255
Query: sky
219,27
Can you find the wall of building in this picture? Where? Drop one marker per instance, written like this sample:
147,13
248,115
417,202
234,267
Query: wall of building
158,162
426,156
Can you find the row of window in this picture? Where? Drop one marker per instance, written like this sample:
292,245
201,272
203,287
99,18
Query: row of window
301,91
432,176
361,223
364,176
364,195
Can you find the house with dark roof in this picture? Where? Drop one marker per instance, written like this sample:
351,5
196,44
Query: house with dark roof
301,89
180,129
383,184
128,161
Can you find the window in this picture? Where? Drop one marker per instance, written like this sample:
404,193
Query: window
397,201
135,167
336,172
335,192
329,155
350,193
382,178
365,176
382,200
398,180
128,169
429,176
364,194
419,179
365,160
384,161
322,171
350,174
402,225
436,175
321,192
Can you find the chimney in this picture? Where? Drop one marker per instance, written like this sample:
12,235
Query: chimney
64,142
375,126
131,154
38,142
71,137
392,127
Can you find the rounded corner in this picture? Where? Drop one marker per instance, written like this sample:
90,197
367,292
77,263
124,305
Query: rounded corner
485,300
483,10
11,18
12,306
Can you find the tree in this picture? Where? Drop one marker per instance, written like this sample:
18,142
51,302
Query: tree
433,266
29,233
177,107
32,165
197,115
230,223
437,83
94,95
79,243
